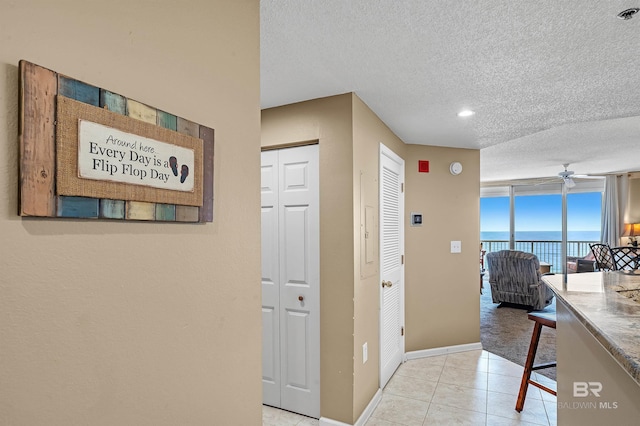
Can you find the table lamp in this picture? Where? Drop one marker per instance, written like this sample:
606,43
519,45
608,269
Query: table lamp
632,230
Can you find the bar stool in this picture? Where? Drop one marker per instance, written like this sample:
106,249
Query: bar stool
540,319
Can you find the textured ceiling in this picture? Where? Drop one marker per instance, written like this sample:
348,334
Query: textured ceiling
551,82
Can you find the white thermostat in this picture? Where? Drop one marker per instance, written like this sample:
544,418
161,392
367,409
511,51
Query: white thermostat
455,168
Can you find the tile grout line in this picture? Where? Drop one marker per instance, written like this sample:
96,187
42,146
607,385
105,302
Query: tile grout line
486,408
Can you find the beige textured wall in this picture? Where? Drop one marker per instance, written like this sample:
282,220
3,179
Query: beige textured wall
633,209
368,133
442,306
329,122
111,323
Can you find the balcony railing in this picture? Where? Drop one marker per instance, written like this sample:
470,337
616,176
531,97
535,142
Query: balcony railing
547,251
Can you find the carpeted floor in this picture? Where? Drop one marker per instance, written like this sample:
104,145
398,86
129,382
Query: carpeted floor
506,332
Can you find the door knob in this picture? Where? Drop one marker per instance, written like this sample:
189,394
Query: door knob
301,298
386,284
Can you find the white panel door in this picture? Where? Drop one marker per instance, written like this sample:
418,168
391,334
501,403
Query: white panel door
270,280
298,280
391,264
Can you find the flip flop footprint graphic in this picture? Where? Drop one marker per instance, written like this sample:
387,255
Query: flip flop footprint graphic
184,173
184,170
173,162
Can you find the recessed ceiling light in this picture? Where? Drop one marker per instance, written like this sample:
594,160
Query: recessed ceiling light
466,113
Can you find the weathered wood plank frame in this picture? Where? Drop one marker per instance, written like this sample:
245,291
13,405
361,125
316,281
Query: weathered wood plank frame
39,88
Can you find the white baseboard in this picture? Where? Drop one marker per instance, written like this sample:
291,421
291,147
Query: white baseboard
442,351
363,417
328,422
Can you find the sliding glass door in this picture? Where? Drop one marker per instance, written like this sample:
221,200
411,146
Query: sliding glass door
538,226
529,218
584,221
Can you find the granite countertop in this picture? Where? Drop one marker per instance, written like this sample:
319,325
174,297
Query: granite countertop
598,301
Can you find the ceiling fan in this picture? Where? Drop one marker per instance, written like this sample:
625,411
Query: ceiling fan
566,177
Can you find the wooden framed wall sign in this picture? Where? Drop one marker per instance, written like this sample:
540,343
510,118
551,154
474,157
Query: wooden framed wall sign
86,152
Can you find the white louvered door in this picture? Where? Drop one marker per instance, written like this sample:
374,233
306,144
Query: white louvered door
291,280
391,264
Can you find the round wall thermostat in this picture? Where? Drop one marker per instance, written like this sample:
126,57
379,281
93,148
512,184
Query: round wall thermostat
455,168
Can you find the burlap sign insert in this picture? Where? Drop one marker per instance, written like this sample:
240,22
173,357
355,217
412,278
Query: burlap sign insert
147,172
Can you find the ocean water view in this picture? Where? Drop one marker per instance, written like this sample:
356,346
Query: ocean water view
541,236
538,224
547,245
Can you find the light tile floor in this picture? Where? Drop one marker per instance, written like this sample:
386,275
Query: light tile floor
465,388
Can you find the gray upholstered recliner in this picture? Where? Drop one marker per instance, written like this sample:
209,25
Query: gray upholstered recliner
515,278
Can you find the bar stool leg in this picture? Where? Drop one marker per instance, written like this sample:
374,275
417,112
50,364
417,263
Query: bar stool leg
526,375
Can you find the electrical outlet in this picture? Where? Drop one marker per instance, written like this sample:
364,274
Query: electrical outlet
365,353
456,246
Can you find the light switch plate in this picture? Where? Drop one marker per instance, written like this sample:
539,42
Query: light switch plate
456,246
365,352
